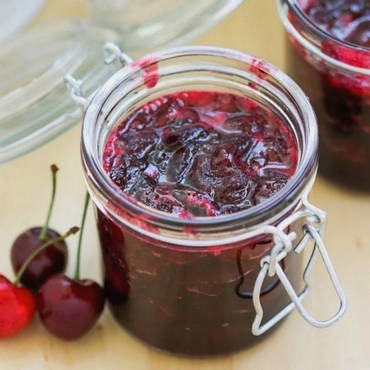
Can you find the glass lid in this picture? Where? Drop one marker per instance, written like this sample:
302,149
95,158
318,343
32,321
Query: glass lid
22,12
153,24
35,105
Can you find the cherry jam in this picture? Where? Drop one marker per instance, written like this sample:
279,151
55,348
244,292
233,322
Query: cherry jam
189,154
347,20
341,98
201,154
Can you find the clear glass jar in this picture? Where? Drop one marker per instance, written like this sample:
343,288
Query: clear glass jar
197,286
339,93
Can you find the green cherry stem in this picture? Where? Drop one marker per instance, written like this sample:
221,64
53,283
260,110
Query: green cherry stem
54,170
78,259
29,259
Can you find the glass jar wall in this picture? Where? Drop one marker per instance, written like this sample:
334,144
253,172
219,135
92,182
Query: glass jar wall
186,285
335,75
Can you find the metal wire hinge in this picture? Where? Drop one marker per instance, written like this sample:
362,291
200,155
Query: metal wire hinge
112,55
270,266
74,87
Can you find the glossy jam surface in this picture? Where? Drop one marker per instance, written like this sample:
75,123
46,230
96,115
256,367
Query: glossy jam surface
341,98
201,154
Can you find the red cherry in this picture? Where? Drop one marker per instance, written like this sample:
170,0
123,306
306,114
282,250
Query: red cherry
17,308
50,261
69,308
17,304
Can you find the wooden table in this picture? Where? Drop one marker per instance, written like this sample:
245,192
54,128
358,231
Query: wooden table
24,193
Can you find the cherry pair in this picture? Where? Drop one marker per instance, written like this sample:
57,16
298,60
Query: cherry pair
68,308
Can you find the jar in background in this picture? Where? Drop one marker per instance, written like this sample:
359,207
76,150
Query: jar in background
205,285
339,92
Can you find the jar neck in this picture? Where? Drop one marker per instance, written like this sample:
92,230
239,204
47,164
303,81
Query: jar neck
203,68
311,37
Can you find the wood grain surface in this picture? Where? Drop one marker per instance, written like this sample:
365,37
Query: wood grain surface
24,193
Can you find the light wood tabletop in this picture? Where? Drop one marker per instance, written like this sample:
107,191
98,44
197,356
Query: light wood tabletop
24,194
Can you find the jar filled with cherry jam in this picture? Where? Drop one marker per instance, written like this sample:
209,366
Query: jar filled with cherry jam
199,161
329,57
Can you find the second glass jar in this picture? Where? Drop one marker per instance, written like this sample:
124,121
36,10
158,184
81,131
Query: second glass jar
339,93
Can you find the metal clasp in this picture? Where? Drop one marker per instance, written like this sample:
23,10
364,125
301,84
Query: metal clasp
112,55
270,266
74,87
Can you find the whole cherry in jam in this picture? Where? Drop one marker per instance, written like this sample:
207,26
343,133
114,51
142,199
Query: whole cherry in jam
69,308
17,304
51,260
201,153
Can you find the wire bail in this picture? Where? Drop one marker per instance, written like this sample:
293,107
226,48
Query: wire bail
270,266
74,87
112,56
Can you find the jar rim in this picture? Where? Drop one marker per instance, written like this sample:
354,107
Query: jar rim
319,33
292,190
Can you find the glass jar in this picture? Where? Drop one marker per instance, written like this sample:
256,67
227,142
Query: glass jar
198,286
339,93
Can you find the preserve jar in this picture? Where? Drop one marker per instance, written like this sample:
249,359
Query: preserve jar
335,74
203,285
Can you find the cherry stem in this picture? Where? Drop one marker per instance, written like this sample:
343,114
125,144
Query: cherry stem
43,233
18,276
78,259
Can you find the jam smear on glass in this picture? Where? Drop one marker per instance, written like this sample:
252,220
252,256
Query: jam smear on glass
341,98
190,154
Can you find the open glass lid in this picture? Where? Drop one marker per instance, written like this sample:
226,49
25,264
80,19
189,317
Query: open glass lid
153,24
35,105
22,12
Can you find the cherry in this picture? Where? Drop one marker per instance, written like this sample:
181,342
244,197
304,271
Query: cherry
17,304
51,261
17,308
69,308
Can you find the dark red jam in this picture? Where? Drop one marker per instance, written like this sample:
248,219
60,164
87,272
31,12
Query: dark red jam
201,154
194,154
341,98
347,20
